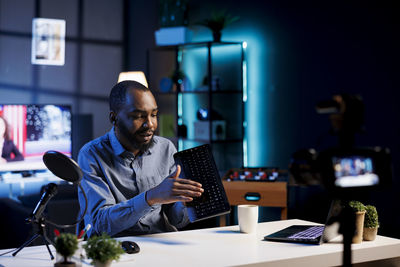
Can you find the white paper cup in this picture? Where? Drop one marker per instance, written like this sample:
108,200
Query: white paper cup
248,218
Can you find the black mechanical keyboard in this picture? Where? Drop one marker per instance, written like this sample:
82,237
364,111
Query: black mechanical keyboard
198,165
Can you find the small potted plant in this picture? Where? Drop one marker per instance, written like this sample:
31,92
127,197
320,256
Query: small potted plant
217,22
103,250
359,210
371,223
66,244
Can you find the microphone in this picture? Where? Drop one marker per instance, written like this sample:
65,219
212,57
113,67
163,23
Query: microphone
49,192
67,169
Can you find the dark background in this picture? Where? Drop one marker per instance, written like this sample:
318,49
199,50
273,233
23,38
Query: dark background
313,51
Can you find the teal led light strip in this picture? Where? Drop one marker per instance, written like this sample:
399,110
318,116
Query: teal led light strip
244,66
180,119
244,45
180,109
180,104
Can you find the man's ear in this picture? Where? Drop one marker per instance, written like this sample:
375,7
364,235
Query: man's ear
112,117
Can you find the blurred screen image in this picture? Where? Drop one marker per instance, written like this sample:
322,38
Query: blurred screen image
354,171
28,131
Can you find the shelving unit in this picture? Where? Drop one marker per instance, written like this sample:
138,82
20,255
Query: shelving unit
223,96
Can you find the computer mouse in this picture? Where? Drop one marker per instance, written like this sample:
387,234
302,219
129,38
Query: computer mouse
130,247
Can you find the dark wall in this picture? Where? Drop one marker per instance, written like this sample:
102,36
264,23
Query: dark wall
320,50
94,56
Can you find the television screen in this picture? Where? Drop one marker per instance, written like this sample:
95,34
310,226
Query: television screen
28,131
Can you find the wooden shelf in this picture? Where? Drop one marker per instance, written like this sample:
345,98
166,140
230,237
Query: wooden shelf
194,45
201,92
271,194
212,141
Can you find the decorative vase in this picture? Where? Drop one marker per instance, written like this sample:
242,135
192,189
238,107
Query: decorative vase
217,36
358,234
369,234
102,264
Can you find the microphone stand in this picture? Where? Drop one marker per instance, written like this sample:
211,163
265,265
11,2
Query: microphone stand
57,163
41,232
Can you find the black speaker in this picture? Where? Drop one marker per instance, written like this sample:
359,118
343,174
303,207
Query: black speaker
82,132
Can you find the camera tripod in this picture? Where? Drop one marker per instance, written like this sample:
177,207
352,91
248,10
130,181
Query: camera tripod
347,228
41,232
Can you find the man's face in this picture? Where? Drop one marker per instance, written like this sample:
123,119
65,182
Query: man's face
137,120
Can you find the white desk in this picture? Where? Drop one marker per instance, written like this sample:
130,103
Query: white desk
225,246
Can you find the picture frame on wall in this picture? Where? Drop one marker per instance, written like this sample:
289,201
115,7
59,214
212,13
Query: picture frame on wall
48,41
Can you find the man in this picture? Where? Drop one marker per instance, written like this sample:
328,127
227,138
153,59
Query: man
130,178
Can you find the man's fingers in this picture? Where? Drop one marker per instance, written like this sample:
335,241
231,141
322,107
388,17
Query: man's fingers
184,198
188,193
183,181
187,187
187,181
177,172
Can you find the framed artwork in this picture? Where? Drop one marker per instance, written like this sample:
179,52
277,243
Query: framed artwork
48,41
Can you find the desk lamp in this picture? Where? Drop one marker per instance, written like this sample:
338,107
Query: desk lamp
137,76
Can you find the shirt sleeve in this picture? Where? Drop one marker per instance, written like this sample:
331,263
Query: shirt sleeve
176,212
103,213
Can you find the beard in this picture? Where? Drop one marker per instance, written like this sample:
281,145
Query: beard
133,138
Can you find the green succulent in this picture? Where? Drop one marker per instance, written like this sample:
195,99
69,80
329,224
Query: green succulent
357,206
66,244
103,248
371,217
218,21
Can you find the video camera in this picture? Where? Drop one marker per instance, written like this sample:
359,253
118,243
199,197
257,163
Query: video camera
347,172
344,170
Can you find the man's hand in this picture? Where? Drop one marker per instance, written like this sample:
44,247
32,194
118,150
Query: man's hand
174,189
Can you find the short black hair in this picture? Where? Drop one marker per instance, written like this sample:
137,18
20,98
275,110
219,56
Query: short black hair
118,93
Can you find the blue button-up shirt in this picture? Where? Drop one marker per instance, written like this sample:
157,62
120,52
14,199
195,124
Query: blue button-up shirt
115,182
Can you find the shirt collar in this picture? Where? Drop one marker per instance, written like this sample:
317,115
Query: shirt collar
119,149
115,144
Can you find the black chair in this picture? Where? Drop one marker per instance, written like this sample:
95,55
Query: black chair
63,208
13,229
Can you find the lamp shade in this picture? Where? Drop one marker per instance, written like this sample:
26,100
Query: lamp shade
137,76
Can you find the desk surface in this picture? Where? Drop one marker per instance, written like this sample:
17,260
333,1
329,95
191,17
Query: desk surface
226,246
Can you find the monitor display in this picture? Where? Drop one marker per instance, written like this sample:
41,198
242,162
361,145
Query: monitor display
28,131
354,171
